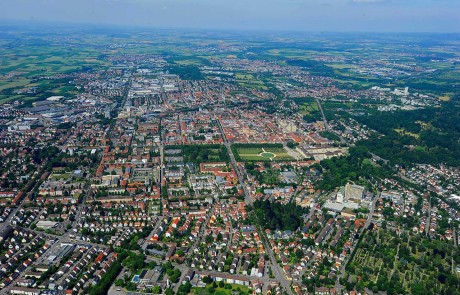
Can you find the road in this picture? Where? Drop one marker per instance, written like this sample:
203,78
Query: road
29,187
337,285
276,269
454,236
326,125
201,233
237,276
239,173
162,167
428,219
247,195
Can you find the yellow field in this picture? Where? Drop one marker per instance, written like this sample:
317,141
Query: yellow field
444,98
404,132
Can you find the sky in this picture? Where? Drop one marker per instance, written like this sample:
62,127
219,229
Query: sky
278,15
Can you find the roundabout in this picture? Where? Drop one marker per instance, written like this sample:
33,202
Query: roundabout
267,155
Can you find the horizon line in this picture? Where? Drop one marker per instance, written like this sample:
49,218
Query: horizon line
19,22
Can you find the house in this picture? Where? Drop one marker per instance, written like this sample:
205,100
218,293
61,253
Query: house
24,291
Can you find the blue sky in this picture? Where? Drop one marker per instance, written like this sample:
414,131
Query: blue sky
301,15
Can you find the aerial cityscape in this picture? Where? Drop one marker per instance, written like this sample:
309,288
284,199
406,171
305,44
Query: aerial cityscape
142,160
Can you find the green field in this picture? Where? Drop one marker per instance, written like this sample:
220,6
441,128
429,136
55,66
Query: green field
248,80
292,53
30,61
309,106
268,152
231,289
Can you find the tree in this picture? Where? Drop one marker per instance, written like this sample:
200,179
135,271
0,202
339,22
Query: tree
185,288
207,280
156,290
299,253
384,225
209,239
274,215
292,145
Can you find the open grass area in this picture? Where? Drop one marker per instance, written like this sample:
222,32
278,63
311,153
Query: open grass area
188,62
13,83
294,53
229,290
402,131
340,66
248,80
66,90
310,107
11,98
261,153
445,97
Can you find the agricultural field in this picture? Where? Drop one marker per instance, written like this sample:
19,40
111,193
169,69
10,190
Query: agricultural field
187,60
256,152
31,61
292,53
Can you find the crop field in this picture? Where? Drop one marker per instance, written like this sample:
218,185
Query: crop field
292,53
25,66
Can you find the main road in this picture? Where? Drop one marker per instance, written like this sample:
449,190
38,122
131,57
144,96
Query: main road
326,125
239,173
277,271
